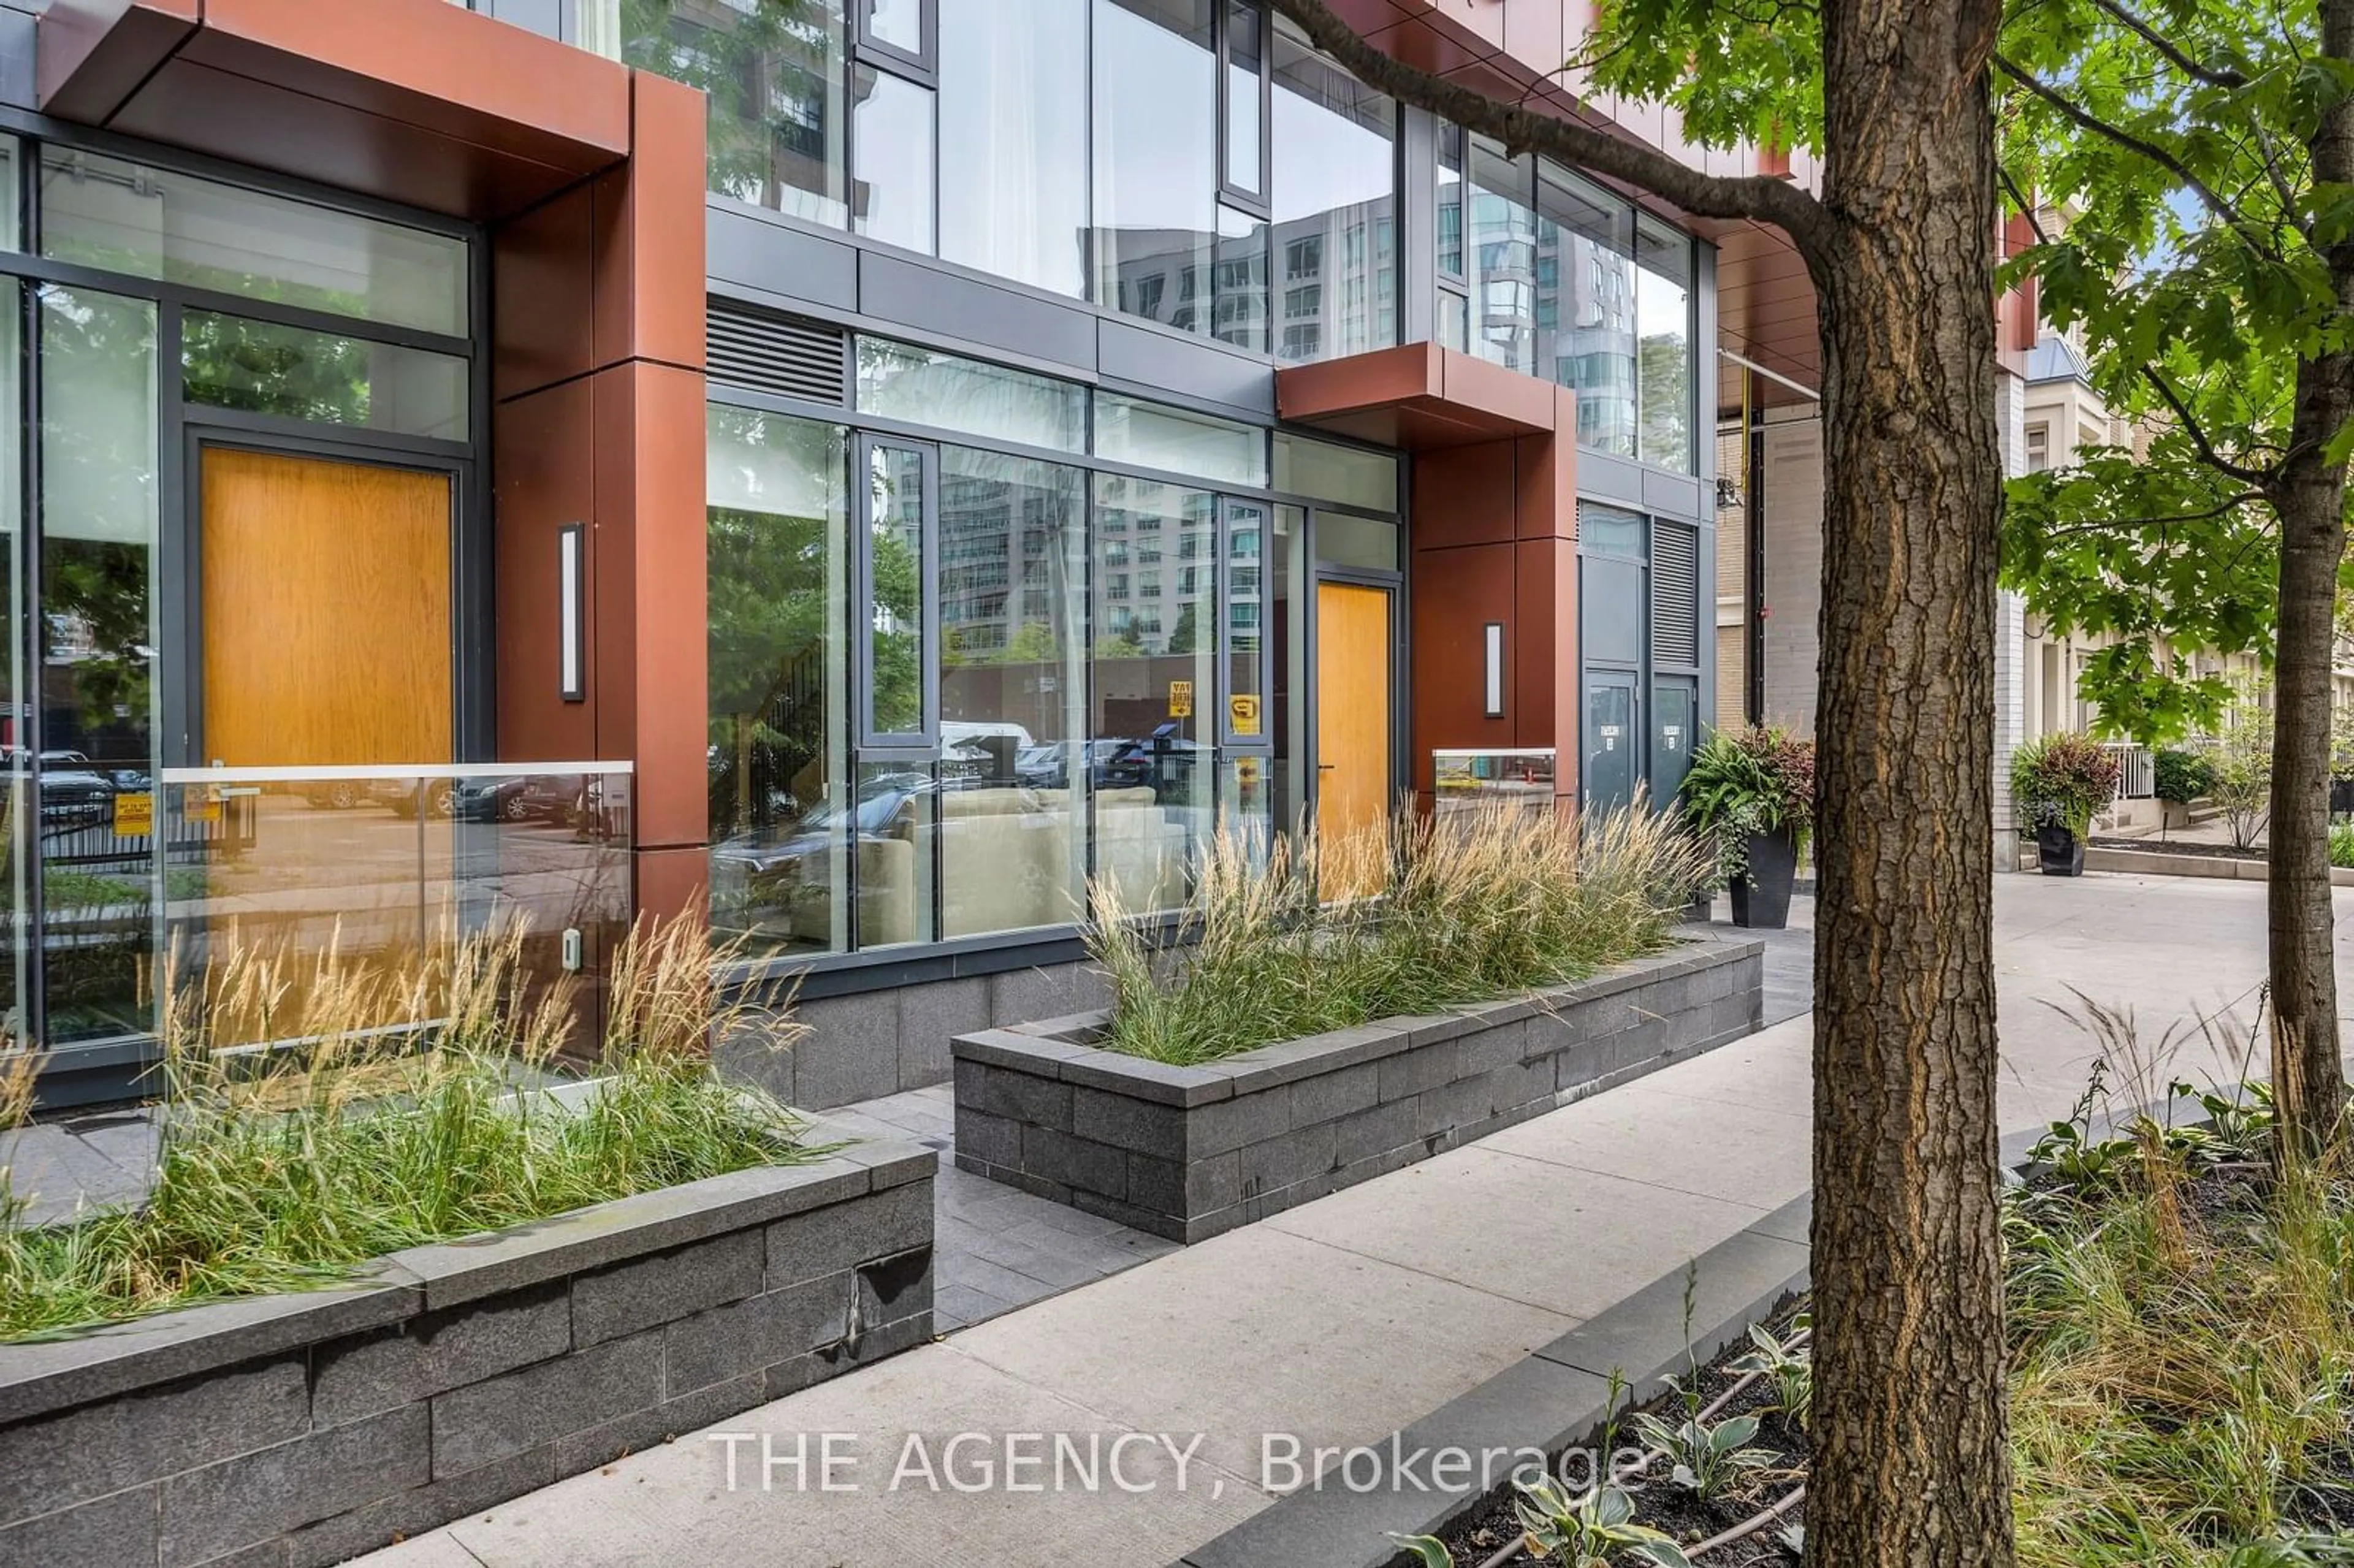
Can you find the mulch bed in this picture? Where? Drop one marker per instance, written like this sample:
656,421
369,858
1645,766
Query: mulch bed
1479,1535
2164,846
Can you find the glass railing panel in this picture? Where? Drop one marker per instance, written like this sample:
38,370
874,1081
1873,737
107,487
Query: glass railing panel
305,902
1508,776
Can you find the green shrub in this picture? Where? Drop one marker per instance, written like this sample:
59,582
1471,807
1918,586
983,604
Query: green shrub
1475,905
283,1171
2060,781
2341,845
2183,776
1746,782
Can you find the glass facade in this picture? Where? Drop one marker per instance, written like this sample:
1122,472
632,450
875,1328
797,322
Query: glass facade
1567,285
143,628
1186,162
1156,152
1054,675
296,373
1014,139
162,224
775,73
892,141
1336,188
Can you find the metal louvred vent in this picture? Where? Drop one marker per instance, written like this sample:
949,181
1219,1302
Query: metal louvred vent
780,354
1675,593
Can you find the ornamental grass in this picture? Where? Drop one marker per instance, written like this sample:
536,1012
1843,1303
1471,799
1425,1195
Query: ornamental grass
1465,906
284,1168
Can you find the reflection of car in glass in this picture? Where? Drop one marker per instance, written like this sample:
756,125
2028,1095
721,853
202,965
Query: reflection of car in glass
337,794
75,793
1048,766
1163,762
790,870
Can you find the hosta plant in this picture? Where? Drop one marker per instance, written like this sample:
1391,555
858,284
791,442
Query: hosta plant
1591,1530
1708,1456
1787,1364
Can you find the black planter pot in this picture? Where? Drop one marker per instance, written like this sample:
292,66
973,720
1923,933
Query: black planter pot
2341,797
2059,851
1761,897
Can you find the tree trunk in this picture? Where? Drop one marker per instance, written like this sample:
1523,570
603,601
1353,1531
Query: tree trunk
1910,1460
2310,494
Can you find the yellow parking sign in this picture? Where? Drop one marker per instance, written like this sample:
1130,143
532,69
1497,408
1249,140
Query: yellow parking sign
134,815
1181,699
1242,713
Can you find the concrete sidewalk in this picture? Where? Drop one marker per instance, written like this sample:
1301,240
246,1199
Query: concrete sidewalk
1338,1322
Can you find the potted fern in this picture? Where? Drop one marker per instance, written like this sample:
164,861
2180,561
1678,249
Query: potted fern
2057,782
1751,794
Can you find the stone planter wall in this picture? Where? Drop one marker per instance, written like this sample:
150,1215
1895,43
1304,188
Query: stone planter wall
305,1429
1188,1152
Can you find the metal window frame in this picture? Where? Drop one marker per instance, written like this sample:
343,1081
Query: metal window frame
868,742
1258,200
920,65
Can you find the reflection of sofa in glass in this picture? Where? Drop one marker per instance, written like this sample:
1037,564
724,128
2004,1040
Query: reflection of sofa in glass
1011,859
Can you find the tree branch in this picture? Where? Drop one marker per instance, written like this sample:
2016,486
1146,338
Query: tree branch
2125,139
2174,55
2121,525
2198,433
2026,207
1757,196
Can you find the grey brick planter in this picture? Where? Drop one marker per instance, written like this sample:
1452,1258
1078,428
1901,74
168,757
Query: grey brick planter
1188,1153
305,1429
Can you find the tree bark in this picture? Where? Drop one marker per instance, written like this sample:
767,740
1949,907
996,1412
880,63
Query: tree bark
1911,1459
2308,492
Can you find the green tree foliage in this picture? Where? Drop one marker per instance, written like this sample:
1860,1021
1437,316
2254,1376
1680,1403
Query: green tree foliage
2205,159
2192,259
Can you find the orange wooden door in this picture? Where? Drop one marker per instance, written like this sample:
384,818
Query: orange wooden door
1353,736
326,611
325,641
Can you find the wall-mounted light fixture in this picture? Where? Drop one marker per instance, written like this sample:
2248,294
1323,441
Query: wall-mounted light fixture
572,650
1494,639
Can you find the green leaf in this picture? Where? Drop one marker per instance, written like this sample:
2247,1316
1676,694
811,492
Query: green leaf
1427,1549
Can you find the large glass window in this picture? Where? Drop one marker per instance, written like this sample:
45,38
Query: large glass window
1013,141
782,825
1014,758
1336,179
1585,303
1153,435
1240,279
1502,258
230,362
1346,476
1567,285
898,593
160,223
1663,325
1156,648
99,530
1156,175
901,381
892,142
773,70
